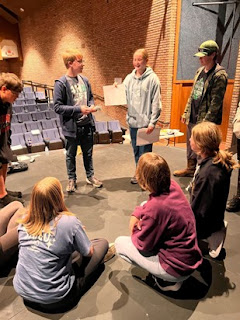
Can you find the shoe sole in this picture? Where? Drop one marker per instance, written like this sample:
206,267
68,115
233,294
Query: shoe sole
71,191
94,185
175,287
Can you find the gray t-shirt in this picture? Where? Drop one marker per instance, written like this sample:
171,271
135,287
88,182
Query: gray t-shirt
79,93
44,271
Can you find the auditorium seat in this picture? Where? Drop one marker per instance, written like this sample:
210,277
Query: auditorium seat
34,142
24,117
42,106
115,131
27,89
18,144
52,138
48,124
14,118
50,114
102,132
33,125
31,107
19,102
37,116
30,101
18,128
18,109
40,95
30,95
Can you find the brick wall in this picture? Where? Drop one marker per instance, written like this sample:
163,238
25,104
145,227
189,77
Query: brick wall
119,29
107,32
235,99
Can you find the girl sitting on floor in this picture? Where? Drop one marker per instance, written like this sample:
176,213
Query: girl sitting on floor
49,238
210,186
163,234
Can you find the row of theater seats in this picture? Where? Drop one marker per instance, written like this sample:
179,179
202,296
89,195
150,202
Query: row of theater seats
34,136
28,96
34,116
108,131
31,108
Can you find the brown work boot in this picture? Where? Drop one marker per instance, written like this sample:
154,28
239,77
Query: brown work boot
189,171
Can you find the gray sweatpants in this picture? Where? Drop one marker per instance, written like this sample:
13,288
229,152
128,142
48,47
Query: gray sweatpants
126,250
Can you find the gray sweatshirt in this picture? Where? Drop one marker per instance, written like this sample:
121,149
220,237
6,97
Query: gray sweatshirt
143,99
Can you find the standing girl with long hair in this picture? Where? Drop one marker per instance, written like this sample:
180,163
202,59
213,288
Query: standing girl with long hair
210,186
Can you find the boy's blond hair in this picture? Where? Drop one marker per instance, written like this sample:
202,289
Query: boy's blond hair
11,82
71,55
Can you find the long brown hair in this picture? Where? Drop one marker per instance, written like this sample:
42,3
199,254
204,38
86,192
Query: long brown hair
153,173
46,203
207,137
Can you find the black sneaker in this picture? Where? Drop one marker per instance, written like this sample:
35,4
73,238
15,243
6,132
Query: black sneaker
17,194
8,199
233,205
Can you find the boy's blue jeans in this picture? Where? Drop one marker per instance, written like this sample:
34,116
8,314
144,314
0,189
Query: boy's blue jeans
138,150
85,140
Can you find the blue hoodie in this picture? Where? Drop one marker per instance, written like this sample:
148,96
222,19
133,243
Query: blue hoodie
64,105
143,99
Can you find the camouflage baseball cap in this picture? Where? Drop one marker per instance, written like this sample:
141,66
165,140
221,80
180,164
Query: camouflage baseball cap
207,48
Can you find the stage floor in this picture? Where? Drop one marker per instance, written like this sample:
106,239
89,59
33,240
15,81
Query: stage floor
119,294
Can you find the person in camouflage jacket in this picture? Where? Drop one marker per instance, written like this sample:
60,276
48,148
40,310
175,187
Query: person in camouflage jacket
206,99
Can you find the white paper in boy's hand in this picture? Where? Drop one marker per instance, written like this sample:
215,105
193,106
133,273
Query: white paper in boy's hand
143,138
114,96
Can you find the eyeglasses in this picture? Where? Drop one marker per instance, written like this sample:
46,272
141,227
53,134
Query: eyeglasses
15,93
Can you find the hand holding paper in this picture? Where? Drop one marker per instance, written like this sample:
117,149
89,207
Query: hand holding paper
114,95
144,138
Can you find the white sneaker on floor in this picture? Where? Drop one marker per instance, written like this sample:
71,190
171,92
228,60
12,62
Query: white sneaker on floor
94,182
